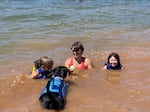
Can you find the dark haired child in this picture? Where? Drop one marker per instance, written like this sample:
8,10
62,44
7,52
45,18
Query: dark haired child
77,61
113,62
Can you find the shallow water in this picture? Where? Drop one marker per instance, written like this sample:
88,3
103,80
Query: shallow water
31,29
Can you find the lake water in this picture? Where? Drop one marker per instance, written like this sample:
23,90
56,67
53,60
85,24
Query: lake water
34,28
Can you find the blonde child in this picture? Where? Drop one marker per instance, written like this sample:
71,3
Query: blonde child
42,68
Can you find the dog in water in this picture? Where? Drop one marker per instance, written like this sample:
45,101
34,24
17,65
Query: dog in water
54,94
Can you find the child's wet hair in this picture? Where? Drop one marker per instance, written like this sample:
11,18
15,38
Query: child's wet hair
76,46
46,61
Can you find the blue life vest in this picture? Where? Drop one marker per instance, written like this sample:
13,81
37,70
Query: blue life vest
56,85
43,73
109,67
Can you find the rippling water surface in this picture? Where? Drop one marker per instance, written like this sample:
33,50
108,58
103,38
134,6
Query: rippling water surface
33,28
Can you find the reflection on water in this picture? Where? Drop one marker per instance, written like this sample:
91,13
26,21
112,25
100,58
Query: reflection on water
112,76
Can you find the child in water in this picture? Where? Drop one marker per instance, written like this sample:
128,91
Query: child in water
113,62
77,61
42,68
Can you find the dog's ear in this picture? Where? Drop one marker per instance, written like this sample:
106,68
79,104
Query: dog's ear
52,72
55,69
66,72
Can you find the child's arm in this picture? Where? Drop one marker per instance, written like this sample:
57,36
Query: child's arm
34,74
105,67
89,63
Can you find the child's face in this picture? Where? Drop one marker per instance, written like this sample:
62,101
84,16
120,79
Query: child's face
113,61
47,68
77,54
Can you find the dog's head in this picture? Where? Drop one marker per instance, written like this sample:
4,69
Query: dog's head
61,71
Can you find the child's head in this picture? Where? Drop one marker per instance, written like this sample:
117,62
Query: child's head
114,59
77,49
76,46
46,63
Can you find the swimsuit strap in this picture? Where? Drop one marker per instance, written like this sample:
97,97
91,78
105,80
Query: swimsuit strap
82,65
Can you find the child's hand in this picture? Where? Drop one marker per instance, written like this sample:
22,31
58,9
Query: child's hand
72,68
